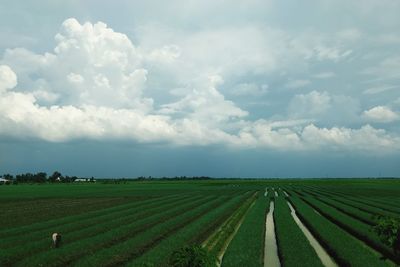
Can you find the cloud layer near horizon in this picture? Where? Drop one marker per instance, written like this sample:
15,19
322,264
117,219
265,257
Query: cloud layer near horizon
195,89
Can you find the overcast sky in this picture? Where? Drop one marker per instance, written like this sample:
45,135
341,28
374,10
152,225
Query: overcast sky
252,88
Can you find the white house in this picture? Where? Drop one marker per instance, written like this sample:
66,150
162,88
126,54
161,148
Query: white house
4,181
81,180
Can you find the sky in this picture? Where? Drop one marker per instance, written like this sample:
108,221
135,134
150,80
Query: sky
252,88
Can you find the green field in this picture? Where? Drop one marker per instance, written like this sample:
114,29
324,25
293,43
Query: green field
143,223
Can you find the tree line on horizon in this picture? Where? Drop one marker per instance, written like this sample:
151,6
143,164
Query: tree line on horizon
43,177
39,177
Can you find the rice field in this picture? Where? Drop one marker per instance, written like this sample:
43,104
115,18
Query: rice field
317,222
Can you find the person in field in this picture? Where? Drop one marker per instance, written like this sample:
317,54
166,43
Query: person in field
56,240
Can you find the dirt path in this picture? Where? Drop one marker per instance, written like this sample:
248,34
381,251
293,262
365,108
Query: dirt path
271,258
322,254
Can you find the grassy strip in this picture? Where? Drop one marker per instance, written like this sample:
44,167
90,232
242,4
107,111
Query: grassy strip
355,227
345,249
158,256
77,229
217,241
71,219
294,248
130,249
247,247
95,238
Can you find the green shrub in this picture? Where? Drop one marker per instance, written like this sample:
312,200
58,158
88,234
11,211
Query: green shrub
192,256
388,229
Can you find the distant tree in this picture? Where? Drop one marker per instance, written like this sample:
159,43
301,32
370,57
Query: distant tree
54,176
192,256
25,178
8,177
40,177
388,229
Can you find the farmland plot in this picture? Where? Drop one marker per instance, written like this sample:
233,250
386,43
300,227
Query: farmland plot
142,224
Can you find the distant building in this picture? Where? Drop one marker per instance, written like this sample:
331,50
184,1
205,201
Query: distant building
85,180
81,180
4,181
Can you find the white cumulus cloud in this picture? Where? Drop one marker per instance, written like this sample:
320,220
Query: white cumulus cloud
365,138
91,64
325,107
95,85
310,105
8,79
380,114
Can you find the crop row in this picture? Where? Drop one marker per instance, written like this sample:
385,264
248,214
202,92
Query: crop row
388,205
375,203
215,244
77,229
367,208
129,250
293,247
19,213
353,226
104,234
356,211
192,233
205,234
247,247
23,230
344,248
271,192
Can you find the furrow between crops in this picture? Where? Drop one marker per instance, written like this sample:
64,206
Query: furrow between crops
321,252
271,258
